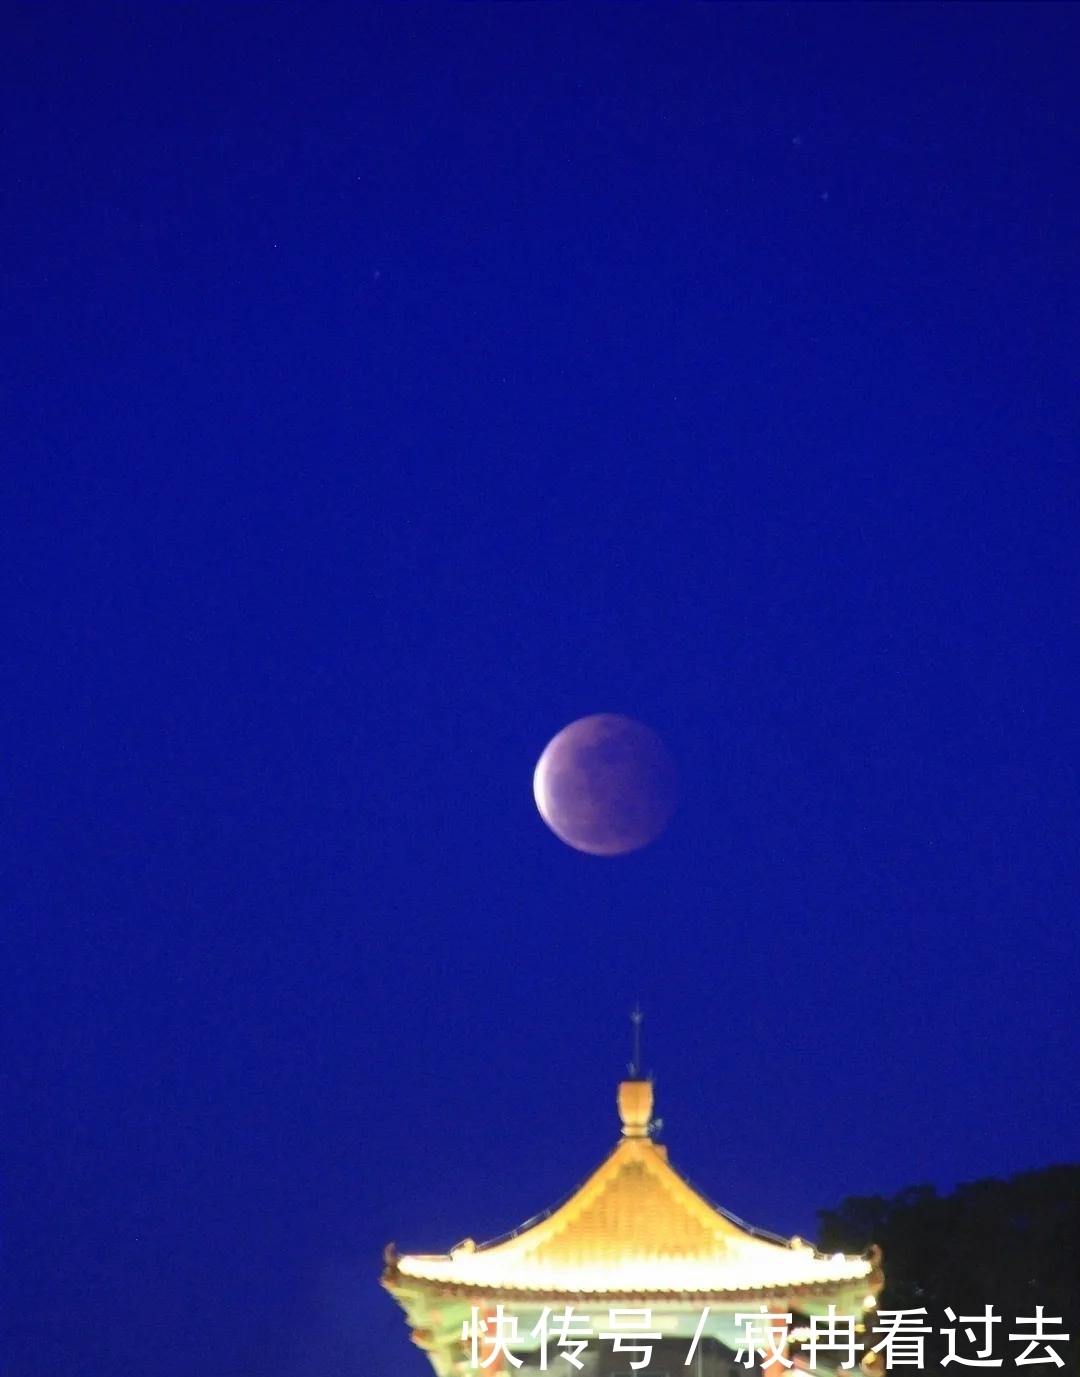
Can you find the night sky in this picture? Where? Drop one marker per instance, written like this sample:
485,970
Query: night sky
385,388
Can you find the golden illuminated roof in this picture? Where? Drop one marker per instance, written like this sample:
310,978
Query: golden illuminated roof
634,1228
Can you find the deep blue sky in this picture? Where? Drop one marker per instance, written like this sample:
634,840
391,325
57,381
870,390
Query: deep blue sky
386,388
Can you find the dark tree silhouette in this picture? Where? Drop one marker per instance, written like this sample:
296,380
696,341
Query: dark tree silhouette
1010,1244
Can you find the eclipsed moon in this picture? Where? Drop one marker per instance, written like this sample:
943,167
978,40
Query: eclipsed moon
605,785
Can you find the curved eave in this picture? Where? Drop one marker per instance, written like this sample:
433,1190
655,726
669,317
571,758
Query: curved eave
728,1297
867,1278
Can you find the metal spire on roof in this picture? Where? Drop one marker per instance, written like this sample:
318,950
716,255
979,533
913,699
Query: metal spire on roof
635,1066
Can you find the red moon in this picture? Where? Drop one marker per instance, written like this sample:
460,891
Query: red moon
605,785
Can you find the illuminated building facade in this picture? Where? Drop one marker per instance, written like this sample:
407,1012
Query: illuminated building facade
638,1238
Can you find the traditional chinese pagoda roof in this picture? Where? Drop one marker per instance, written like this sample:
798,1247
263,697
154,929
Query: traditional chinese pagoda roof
635,1228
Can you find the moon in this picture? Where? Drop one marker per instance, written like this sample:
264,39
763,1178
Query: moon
605,785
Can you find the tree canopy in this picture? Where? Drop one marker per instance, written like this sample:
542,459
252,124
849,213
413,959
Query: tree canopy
1010,1244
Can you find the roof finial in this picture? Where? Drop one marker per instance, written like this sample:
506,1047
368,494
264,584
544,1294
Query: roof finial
635,1066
